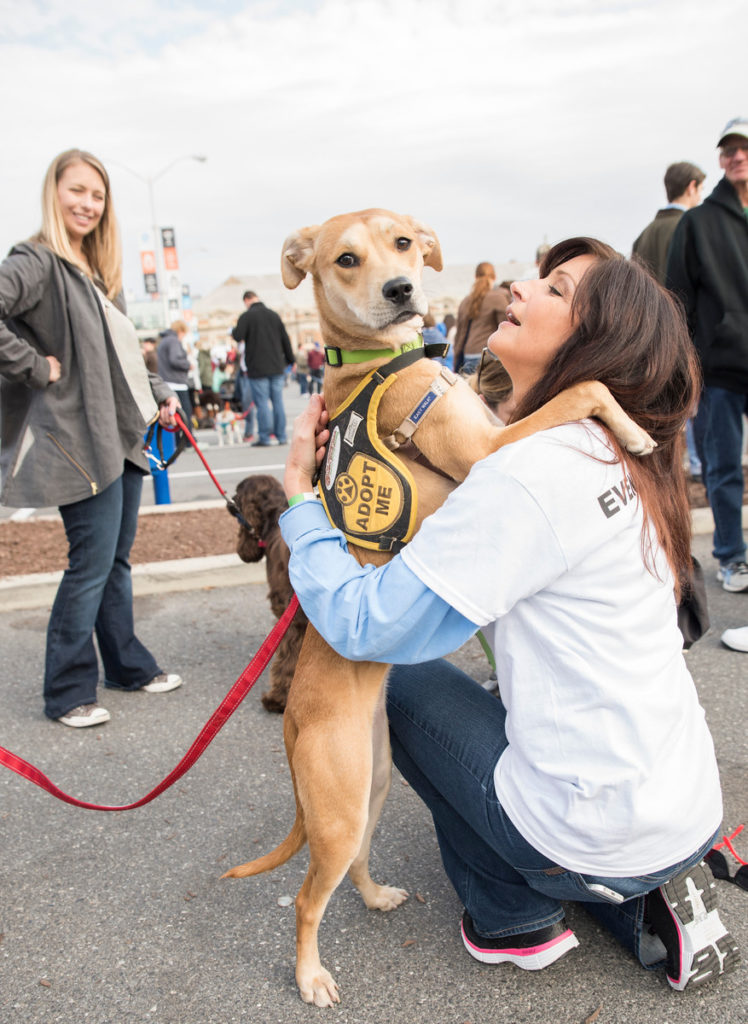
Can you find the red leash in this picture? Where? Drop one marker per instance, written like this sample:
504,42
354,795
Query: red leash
230,503
207,734
181,425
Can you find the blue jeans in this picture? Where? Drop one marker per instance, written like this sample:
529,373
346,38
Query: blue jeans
694,462
718,432
447,734
95,594
268,391
245,397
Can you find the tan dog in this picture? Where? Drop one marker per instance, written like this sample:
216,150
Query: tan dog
367,280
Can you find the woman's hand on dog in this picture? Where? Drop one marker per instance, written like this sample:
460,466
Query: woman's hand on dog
310,435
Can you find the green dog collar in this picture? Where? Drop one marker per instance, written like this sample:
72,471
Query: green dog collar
339,356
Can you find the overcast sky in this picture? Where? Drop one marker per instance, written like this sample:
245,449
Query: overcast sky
498,122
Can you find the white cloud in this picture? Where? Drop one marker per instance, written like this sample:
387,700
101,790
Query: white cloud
500,123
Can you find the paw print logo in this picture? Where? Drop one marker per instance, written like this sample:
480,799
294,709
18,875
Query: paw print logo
346,490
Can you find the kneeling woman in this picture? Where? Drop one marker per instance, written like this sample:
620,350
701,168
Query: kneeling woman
594,777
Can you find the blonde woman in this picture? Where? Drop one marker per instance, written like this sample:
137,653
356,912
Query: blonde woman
75,399
478,316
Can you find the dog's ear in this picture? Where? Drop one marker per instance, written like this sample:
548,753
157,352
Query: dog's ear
297,257
429,243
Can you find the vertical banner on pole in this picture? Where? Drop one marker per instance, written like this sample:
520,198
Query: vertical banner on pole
171,264
187,312
150,278
169,245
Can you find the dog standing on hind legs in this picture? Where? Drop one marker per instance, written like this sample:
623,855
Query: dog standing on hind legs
367,268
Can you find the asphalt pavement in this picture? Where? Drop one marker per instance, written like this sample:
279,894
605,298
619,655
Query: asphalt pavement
113,918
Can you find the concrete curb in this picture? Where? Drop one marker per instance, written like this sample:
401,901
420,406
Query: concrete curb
37,591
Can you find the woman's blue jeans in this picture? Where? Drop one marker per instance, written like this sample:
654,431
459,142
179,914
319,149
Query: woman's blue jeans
447,734
95,595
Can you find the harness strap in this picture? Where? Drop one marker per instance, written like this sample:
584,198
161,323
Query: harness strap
402,434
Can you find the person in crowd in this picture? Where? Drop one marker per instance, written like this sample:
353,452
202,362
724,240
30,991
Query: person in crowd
594,778
708,269
431,333
150,358
683,185
302,369
434,335
243,393
174,365
478,316
315,357
267,352
221,373
75,401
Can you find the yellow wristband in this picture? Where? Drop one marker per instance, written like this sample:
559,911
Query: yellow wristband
298,498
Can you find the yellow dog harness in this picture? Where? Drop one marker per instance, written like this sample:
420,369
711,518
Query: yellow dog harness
367,491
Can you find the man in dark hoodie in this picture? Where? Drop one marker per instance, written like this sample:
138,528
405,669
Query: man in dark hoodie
708,268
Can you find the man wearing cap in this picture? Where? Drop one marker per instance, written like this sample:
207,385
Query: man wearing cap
708,268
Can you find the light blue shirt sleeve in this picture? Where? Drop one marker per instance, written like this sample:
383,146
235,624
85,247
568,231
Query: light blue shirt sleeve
366,613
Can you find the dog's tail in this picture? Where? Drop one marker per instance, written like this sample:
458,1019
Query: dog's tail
291,845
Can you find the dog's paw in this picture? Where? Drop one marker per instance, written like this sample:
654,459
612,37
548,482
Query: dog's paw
320,989
638,442
385,897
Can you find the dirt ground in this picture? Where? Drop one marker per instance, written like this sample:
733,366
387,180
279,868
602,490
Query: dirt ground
40,546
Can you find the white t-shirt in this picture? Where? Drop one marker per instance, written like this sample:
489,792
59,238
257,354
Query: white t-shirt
610,767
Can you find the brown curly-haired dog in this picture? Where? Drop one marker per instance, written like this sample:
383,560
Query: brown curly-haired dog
261,500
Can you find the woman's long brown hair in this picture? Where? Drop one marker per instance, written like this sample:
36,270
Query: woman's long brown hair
630,334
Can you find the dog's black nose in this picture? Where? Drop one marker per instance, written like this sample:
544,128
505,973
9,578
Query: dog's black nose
398,290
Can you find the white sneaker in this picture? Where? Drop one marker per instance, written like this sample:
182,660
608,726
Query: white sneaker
163,683
85,715
684,914
736,638
733,577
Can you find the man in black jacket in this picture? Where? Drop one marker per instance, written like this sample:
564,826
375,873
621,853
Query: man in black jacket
267,352
708,268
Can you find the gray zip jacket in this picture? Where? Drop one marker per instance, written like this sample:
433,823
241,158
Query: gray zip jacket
66,441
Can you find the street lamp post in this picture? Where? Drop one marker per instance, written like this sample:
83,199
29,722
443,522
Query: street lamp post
157,241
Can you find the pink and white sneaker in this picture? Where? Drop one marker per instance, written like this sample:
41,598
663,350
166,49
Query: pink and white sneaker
532,951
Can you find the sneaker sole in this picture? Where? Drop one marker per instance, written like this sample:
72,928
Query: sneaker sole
732,589
161,687
706,947
532,958
85,723
729,639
